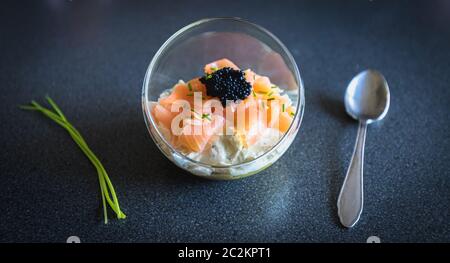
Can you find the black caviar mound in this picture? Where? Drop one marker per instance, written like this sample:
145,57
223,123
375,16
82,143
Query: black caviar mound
227,84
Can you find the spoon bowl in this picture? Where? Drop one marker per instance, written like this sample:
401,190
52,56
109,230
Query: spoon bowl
367,96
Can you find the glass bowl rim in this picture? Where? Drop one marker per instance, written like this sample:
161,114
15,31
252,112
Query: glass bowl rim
146,104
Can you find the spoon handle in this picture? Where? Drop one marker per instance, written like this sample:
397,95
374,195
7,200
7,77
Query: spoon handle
350,201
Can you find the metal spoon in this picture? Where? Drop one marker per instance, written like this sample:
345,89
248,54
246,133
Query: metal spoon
366,100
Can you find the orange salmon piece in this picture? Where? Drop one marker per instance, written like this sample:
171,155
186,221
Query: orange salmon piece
194,85
218,64
250,76
262,85
163,115
273,114
284,122
197,142
179,92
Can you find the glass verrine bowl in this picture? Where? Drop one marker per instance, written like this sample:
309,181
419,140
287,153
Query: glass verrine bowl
248,45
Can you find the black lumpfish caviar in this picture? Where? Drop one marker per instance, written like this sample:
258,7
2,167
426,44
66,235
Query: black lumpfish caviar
227,84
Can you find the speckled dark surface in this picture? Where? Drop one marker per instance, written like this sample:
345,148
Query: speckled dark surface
91,57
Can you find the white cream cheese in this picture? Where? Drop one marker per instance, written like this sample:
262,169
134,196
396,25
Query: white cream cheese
229,149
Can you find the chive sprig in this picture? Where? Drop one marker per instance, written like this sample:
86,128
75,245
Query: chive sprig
107,189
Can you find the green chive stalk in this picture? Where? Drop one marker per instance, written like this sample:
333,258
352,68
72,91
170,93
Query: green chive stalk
107,190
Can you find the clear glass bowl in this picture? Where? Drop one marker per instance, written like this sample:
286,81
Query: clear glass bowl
248,45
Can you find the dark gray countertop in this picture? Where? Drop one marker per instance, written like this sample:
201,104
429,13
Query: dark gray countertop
91,57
